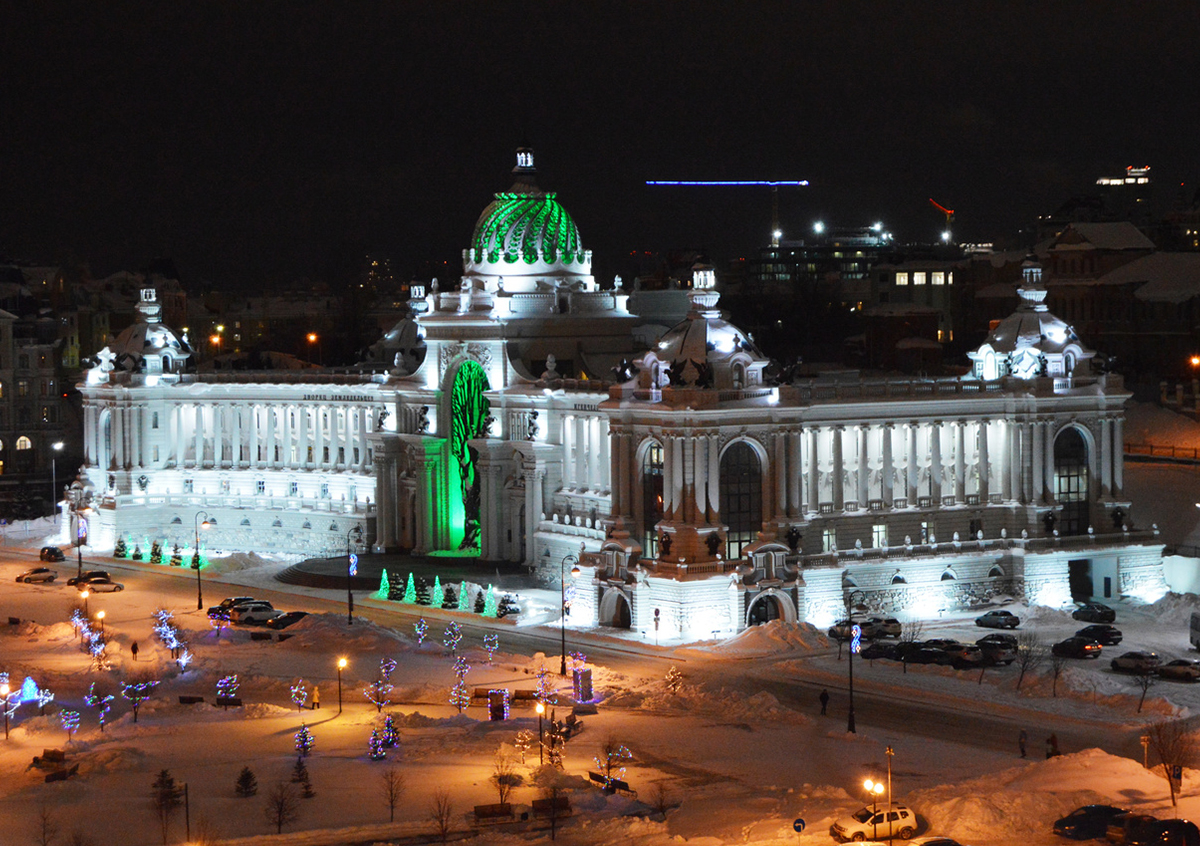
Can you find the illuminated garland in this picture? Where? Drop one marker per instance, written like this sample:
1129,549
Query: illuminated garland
391,737
542,690
137,693
103,704
612,762
422,629
504,696
491,642
227,686
375,746
70,722
299,694
377,694
452,636
304,741
460,696
387,666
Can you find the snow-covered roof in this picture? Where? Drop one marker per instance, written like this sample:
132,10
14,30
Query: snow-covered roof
1102,236
1168,277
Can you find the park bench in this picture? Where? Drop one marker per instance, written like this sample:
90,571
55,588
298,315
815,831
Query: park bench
612,785
559,806
494,814
229,701
63,774
190,700
526,697
260,636
49,759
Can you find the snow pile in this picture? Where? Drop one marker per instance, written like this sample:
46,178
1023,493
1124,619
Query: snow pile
726,702
775,638
1175,610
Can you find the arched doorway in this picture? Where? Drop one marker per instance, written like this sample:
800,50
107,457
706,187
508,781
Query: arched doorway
765,608
741,496
1071,481
615,610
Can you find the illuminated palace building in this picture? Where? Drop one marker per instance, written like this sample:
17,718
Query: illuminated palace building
526,413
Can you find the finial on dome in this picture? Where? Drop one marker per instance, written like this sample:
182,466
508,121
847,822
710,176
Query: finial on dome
525,172
524,161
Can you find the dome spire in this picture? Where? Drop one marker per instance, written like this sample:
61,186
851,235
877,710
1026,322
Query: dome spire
525,172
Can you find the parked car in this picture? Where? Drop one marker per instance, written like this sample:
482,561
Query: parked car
1136,662
237,613
228,602
1094,612
879,649
871,824
51,553
256,615
964,654
38,574
885,626
940,642
998,620
103,586
1127,827
1167,833
1181,669
931,655
88,575
1103,634
1077,647
1088,822
842,629
285,620
998,648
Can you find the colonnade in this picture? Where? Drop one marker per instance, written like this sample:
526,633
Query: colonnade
586,461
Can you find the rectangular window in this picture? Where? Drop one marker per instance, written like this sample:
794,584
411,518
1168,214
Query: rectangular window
937,278
924,533
325,455
260,486
23,361
22,387
309,455
879,535
950,278
919,277
356,455
829,540
341,455
324,490
901,277
189,486
156,453
293,488
154,421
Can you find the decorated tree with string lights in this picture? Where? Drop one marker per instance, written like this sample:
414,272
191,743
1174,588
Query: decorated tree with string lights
410,591
391,737
452,637
299,694
491,642
304,741
137,692
460,696
227,687
385,587
102,704
612,759
387,666
542,691
439,595
70,722
377,693
464,597
218,618
375,746
489,603
421,628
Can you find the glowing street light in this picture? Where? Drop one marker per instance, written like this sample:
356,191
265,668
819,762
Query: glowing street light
541,709
341,665
57,447
84,594
946,236
100,617
196,524
874,789
819,227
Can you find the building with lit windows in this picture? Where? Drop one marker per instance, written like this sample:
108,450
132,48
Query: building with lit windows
706,490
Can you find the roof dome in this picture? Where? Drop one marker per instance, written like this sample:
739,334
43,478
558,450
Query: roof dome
525,233
148,348
1031,341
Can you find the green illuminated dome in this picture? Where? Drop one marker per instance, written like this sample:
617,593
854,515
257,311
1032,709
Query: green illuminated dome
525,240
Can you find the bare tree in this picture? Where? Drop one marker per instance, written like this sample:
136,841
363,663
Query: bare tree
45,826
441,811
1144,680
504,775
1031,652
1174,746
552,792
391,788
283,806
661,798
912,634
1058,663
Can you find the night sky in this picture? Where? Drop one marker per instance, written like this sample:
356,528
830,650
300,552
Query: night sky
256,142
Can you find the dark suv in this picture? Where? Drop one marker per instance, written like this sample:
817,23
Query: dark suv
51,553
1094,612
1103,634
1087,823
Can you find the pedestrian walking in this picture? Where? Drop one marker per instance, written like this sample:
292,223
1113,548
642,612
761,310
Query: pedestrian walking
824,697
316,698
133,650
1053,741
1022,739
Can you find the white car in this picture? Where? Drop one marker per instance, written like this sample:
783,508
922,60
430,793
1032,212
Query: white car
102,586
254,613
873,823
38,574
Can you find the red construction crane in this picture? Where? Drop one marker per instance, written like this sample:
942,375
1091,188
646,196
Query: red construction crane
949,218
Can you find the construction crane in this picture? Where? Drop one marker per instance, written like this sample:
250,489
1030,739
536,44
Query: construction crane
949,218
774,185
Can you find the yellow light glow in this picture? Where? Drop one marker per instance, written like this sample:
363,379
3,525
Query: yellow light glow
541,709
312,337
342,662
99,615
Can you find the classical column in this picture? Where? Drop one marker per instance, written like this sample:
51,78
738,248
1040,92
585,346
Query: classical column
1038,480
533,506
912,466
569,446
984,463
864,465
254,418
218,434
795,472
677,478
1119,457
813,471
839,470
960,462
887,466
690,479
714,478
700,479
1106,457
384,507
198,435
605,460
781,475
1048,463
135,434
593,453
619,461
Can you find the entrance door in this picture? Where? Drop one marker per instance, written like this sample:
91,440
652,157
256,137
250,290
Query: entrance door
764,610
1080,579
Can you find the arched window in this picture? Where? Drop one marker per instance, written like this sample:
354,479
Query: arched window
652,497
24,443
1071,481
948,575
899,580
995,573
741,496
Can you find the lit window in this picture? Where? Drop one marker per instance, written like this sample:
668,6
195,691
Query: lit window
829,540
22,387
188,486
919,277
902,277
324,490
879,537
937,278
154,421
293,488
260,486
24,443
950,278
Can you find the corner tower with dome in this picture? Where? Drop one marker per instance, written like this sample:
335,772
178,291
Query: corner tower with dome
526,413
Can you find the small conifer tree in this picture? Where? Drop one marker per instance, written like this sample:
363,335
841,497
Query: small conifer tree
120,550
385,587
438,595
247,784
176,557
410,591
464,597
156,553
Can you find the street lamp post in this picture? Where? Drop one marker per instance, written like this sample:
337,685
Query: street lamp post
874,788
341,665
351,570
541,709
196,556
855,633
100,617
891,753
5,690
78,510
57,447
84,594
564,607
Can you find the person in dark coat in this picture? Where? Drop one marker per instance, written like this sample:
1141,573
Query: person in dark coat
1022,739
133,650
824,697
